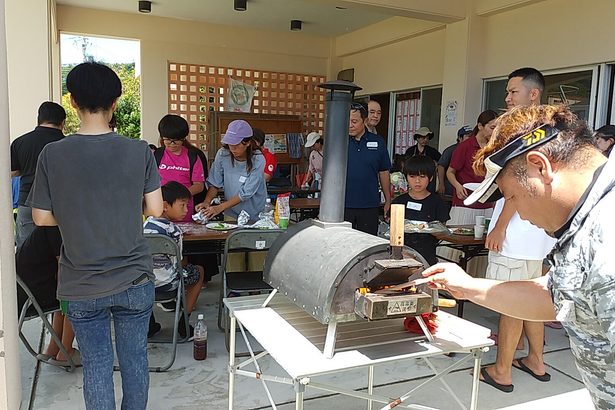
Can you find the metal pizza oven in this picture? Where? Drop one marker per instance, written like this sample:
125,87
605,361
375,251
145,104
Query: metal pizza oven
320,267
331,271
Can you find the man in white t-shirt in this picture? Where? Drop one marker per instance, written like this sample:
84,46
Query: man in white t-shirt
516,252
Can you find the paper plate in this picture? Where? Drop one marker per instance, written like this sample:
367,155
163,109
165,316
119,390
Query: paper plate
471,185
220,226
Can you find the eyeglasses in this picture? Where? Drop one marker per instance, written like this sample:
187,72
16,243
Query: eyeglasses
358,107
169,141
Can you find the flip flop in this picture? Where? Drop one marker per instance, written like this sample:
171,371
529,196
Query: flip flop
43,357
76,356
506,388
540,377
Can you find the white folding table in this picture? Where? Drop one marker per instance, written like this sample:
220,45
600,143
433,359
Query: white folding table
294,340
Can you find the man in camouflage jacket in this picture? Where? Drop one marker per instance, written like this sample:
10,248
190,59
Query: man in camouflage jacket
543,159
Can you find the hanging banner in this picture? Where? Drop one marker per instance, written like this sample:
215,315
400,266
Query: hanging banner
239,96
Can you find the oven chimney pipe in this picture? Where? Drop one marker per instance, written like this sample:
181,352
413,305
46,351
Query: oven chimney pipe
333,191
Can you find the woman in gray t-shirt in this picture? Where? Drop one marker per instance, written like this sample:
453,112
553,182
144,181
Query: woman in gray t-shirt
239,170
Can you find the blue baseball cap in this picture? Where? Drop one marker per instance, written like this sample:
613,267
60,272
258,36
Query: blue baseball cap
465,130
236,132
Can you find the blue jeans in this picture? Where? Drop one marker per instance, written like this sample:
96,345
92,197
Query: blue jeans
91,320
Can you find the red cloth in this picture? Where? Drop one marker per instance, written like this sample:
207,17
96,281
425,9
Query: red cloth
412,326
270,161
461,162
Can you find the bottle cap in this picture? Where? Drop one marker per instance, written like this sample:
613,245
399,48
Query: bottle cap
200,316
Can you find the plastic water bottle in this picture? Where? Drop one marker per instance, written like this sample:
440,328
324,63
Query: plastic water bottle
200,339
317,183
268,206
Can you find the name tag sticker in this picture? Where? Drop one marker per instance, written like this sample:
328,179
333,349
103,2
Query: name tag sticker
372,144
414,206
242,179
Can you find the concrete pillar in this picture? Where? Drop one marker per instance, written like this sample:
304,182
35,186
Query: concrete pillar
29,55
462,76
10,374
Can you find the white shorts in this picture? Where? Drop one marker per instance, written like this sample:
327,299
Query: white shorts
506,269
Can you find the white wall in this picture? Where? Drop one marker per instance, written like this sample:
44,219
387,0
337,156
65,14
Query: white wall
164,39
410,63
548,35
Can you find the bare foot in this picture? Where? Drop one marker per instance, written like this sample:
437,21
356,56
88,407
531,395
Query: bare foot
60,357
51,352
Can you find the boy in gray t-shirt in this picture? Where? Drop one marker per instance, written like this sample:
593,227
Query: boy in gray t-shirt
95,186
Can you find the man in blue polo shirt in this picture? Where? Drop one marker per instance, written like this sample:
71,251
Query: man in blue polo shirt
368,168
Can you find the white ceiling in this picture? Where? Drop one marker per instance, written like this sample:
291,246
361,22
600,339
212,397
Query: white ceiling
320,18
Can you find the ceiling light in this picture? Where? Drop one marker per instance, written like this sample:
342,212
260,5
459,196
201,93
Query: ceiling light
240,5
295,25
145,6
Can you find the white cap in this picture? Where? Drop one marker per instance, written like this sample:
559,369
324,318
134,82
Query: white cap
312,138
200,316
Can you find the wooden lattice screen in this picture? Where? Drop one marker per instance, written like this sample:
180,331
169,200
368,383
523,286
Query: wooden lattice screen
195,90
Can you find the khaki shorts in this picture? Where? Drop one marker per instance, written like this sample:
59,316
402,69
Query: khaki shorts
507,269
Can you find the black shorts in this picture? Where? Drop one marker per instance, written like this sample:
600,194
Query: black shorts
363,219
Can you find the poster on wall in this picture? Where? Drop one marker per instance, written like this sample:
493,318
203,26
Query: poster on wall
450,113
276,143
239,96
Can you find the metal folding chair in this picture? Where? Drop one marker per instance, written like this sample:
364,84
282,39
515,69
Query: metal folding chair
243,282
162,244
31,309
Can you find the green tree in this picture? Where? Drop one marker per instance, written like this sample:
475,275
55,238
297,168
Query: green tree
71,124
128,109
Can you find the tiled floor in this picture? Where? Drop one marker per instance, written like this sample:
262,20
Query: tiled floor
204,385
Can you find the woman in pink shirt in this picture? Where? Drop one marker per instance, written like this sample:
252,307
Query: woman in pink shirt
177,162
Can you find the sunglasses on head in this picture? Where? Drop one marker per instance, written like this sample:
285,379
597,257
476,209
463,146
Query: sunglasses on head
358,107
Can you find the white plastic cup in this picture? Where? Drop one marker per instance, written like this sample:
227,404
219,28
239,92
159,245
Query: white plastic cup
480,220
479,231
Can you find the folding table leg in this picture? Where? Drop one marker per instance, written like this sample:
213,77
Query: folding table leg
299,390
478,353
330,340
370,385
231,361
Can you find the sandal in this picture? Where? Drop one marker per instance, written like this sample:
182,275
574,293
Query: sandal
540,377
76,358
506,388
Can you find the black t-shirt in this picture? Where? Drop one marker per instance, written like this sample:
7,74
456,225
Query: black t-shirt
429,151
37,265
431,208
428,209
24,155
